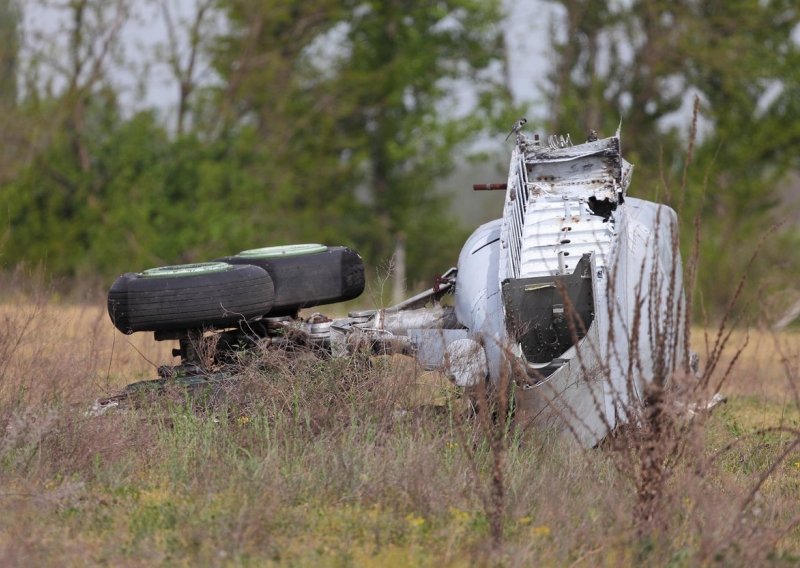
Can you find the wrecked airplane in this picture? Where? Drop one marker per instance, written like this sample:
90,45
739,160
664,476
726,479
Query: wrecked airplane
574,295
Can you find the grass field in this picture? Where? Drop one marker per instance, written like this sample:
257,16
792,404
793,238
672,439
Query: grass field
361,462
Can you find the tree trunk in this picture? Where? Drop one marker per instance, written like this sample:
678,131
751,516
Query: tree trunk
399,269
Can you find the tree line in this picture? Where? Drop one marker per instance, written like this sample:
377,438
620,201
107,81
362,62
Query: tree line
336,122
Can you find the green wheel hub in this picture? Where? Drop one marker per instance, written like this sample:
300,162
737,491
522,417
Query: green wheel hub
283,251
186,270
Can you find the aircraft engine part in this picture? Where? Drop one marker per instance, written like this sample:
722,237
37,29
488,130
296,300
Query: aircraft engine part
465,362
549,314
478,298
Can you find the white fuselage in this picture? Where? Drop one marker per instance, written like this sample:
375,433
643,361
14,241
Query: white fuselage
564,204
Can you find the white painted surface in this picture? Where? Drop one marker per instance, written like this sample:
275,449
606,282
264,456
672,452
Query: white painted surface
636,335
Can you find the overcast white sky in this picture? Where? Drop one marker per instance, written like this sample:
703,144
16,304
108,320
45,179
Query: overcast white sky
143,33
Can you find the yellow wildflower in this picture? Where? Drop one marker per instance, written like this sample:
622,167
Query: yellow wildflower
415,521
541,531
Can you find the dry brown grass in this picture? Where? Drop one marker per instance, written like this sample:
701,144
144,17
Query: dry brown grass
50,347
306,462
762,367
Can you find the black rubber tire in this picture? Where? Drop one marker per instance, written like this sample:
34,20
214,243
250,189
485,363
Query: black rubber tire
326,275
205,300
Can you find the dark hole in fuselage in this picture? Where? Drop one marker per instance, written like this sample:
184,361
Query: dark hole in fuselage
601,207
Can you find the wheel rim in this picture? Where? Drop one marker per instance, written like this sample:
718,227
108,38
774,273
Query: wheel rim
282,251
186,270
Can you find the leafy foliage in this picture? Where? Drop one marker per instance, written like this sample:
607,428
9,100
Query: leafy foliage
328,122
640,62
335,121
353,99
